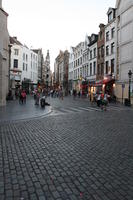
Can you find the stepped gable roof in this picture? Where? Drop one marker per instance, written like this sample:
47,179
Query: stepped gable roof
13,40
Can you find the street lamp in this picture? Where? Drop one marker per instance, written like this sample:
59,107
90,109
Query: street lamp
129,96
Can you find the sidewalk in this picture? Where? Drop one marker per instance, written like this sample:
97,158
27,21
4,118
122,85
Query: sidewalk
15,111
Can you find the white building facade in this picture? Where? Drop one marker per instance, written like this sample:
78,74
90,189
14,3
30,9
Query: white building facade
110,43
77,66
24,64
85,59
124,48
92,71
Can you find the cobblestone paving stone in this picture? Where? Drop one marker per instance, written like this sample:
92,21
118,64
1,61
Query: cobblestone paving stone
76,156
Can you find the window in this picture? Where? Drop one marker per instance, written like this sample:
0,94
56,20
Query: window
113,32
78,62
112,47
81,61
94,67
23,66
112,66
74,63
15,63
107,50
94,52
87,70
102,51
23,56
98,52
107,36
26,57
16,52
80,72
90,69
110,16
98,69
26,67
102,69
90,54
107,66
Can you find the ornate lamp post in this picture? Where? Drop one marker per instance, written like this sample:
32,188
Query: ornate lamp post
129,96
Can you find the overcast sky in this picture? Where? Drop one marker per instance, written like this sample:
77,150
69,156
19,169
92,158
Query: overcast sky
55,24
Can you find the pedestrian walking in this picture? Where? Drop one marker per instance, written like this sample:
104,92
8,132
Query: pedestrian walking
37,98
105,101
74,93
98,100
23,97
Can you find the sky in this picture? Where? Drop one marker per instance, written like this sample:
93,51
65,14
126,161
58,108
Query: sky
55,25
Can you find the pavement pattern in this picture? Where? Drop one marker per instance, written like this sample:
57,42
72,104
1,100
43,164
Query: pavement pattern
72,156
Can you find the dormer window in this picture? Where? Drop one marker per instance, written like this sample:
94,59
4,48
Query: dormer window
93,38
110,16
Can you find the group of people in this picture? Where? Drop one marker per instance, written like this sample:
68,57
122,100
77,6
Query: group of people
102,100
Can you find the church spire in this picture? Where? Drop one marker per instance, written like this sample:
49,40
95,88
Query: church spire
48,56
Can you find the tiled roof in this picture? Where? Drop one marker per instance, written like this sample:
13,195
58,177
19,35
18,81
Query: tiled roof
13,40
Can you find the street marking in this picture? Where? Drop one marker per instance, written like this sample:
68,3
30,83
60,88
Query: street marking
85,109
62,111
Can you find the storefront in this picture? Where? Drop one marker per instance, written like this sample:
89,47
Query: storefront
109,85
91,89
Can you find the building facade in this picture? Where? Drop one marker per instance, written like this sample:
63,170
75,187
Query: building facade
24,66
110,53
100,56
4,56
77,66
61,71
40,63
70,69
92,64
124,60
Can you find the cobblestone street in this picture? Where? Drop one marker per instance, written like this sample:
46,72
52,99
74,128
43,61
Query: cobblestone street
76,155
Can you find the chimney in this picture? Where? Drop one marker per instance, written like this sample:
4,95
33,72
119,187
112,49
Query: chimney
14,37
